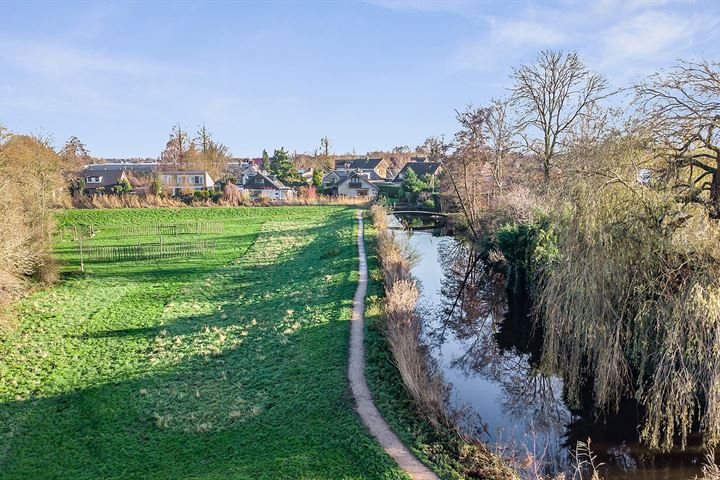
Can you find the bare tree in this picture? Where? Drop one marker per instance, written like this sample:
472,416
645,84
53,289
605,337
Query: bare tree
203,138
401,149
682,110
324,161
213,156
179,150
552,94
434,148
74,155
464,179
325,146
501,138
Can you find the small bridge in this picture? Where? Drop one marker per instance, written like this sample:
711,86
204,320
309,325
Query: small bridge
419,212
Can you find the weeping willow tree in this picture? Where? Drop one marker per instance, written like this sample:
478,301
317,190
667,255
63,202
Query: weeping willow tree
632,301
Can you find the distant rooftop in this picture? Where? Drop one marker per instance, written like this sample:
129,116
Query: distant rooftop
359,163
131,166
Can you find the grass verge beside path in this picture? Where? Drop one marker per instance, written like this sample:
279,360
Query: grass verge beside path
231,365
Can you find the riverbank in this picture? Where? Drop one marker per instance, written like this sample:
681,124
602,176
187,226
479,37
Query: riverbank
420,415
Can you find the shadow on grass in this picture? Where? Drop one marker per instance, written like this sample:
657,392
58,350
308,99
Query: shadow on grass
254,387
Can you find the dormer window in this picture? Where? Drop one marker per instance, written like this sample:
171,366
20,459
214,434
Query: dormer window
355,182
93,179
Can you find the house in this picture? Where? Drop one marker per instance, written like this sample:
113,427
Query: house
376,166
306,174
333,177
102,181
263,185
178,182
420,168
247,173
356,185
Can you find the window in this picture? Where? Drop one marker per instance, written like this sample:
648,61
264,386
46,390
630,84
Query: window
179,180
166,179
92,179
355,182
197,180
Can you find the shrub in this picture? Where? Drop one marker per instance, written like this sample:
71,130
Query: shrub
201,195
233,196
31,183
530,246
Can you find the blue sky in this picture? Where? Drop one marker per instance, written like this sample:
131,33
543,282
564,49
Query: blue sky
369,75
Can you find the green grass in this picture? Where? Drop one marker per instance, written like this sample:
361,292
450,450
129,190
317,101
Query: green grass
230,365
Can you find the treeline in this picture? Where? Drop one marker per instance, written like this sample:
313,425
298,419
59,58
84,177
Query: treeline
609,204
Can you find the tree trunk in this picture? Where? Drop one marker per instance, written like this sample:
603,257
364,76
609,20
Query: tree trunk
715,191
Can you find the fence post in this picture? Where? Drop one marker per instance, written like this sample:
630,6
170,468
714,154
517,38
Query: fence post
82,263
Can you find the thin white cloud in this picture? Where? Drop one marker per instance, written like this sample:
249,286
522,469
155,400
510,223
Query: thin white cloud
463,8
527,33
621,39
64,61
651,37
504,42
455,6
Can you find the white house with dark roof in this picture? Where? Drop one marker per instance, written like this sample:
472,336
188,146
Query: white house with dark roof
371,166
356,185
102,181
333,177
179,182
264,185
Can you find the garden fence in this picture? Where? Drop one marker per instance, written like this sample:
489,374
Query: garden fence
146,251
199,227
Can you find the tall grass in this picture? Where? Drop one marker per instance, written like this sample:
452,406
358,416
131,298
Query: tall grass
403,328
229,198
425,385
127,201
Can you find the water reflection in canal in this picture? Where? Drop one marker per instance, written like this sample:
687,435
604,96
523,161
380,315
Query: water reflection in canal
487,353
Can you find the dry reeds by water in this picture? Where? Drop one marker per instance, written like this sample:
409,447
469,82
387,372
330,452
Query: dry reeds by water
403,328
425,385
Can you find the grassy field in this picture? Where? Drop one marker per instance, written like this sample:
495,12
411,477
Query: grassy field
227,365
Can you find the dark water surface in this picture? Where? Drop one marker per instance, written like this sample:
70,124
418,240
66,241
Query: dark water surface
487,352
